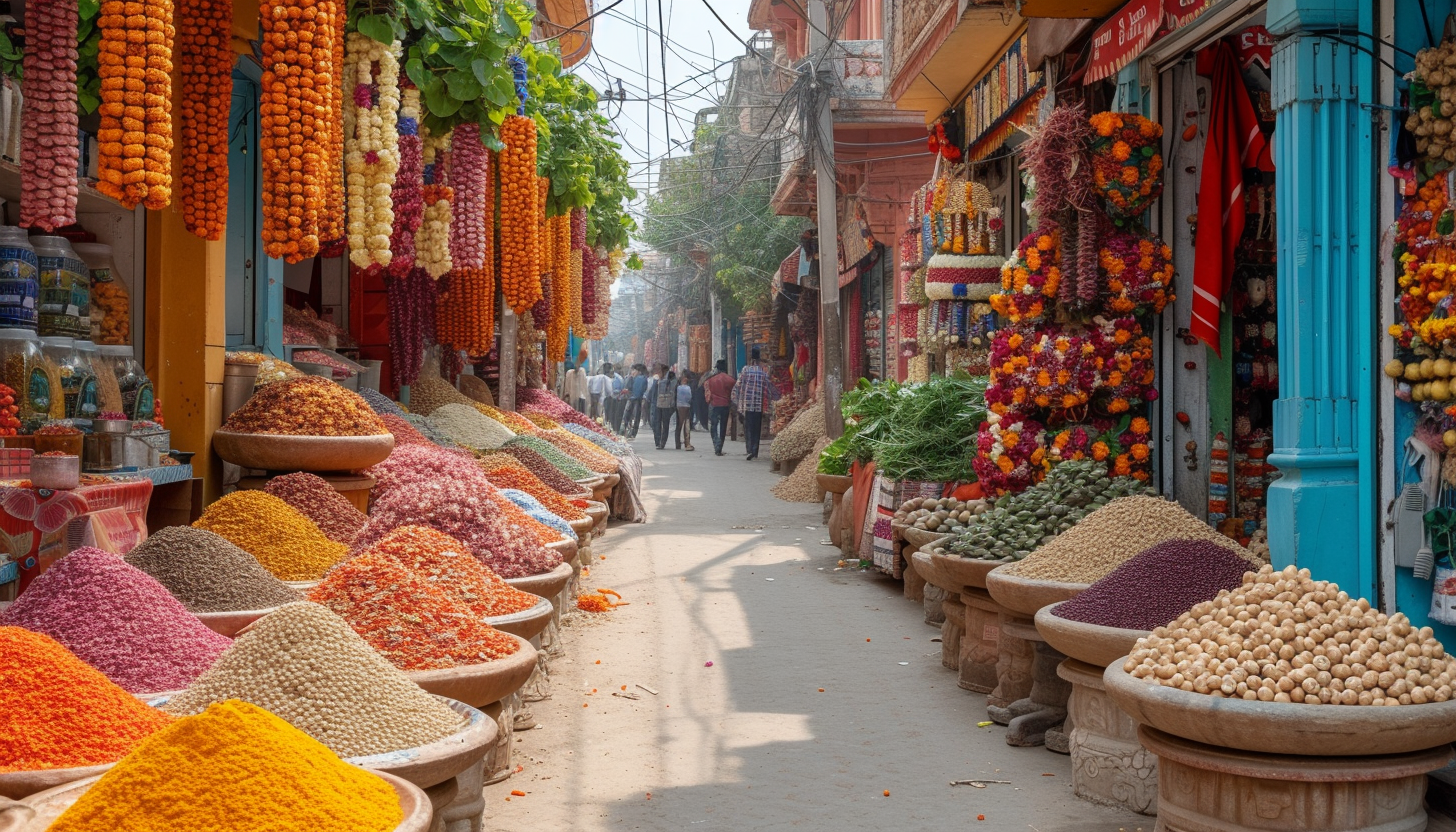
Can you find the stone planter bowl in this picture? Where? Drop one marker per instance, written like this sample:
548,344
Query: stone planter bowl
1282,727
928,569
50,804
968,572
430,765
1090,643
920,538
271,452
480,684
834,483
231,623
547,584
527,623
582,527
1024,596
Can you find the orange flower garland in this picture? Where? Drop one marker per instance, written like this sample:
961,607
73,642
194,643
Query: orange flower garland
520,243
559,330
205,70
134,63
331,211
294,115
576,225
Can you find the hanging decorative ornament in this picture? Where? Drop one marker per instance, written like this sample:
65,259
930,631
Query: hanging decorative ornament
371,146
135,132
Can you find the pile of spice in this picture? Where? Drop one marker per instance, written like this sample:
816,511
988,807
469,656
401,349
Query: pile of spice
534,510
536,401
117,619
515,421
541,468
430,392
467,513
469,427
305,406
422,424
413,465
207,573
320,502
498,460
606,443
587,454
56,711
270,369
307,665
1158,585
404,432
568,466
238,768
409,622
380,403
517,477
1284,637
339,369
1109,536
58,429
518,520
447,565
287,544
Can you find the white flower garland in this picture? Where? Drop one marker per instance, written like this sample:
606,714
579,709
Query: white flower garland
371,146
432,242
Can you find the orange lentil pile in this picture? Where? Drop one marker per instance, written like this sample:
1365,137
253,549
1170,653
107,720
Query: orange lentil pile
56,711
306,406
522,480
524,524
447,565
580,450
410,623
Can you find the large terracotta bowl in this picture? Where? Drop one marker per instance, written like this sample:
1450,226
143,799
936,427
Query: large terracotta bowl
1090,643
582,527
547,584
527,623
834,483
478,685
1024,596
1282,727
920,538
301,453
968,572
230,623
566,547
433,764
927,568
50,804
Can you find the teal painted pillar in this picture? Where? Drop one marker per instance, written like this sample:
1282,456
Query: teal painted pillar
1322,513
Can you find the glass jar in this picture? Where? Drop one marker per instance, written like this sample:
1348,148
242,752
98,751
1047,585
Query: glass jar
65,289
19,279
78,378
137,398
24,369
110,300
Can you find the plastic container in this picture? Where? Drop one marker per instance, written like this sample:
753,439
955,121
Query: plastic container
65,289
110,300
78,378
19,279
137,398
24,369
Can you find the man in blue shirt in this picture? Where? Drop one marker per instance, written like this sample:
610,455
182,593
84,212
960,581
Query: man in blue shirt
636,390
753,393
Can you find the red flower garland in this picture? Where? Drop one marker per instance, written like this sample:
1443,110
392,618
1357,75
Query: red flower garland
48,150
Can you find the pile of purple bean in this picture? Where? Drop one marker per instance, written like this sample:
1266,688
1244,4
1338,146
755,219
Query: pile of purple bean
1158,585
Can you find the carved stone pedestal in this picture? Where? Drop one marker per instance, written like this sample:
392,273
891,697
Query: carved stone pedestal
497,763
1014,659
914,582
934,600
952,630
1204,788
1109,765
979,643
1045,706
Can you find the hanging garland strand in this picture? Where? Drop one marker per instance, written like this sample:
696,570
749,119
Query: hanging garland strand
48,149
294,124
135,158
408,184
205,70
371,147
520,245
331,212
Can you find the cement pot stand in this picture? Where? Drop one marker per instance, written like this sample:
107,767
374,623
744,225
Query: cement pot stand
1031,719
1109,765
948,597
979,647
835,485
1206,788
479,685
273,452
548,585
436,767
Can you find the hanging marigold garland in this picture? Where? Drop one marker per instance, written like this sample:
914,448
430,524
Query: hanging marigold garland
48,150
589,265
293,110
408,183
559,327
332,206
432,242
577,222
520,254
371,146
134,63
205,69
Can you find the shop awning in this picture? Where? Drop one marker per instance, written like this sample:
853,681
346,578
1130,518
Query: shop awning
1122,37
560,19
1183,12
788,273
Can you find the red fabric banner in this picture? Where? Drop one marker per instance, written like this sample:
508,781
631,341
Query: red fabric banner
1183,12
1122,37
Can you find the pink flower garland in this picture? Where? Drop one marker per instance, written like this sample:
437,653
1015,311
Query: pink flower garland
408,196
589,267
469,176
411,303
48,150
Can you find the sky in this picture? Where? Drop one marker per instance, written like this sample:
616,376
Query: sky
626,46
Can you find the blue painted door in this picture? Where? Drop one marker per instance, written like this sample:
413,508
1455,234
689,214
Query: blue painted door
243,246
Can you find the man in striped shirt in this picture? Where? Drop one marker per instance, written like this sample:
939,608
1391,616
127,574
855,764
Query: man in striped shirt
753,393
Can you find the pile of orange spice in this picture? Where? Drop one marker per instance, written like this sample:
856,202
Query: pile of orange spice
518,477
56,711
447,565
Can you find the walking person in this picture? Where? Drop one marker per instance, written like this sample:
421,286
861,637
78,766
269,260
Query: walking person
649,400
598,386
719,389
666,406
754,392
573,387
618,401
636,389
685,412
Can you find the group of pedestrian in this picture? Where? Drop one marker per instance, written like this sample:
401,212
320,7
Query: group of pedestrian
664,395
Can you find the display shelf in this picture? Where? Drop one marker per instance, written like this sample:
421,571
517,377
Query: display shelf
88,199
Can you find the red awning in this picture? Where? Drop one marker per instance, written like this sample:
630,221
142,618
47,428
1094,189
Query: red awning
1182,12
1122,37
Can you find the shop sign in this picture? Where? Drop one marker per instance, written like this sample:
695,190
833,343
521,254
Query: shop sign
1183,12
1120,39
1254,47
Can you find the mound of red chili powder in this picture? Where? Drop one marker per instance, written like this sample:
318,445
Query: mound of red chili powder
58,712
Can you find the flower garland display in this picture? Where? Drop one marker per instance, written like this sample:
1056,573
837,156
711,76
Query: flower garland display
1010,454
205,72
371,146
134,139
520,255
590,266
559,330
332,205
1126,447
1137,271
294,129
412,301
577,225
407,192
1126,165
1031,277
470,179
49,153
432,241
